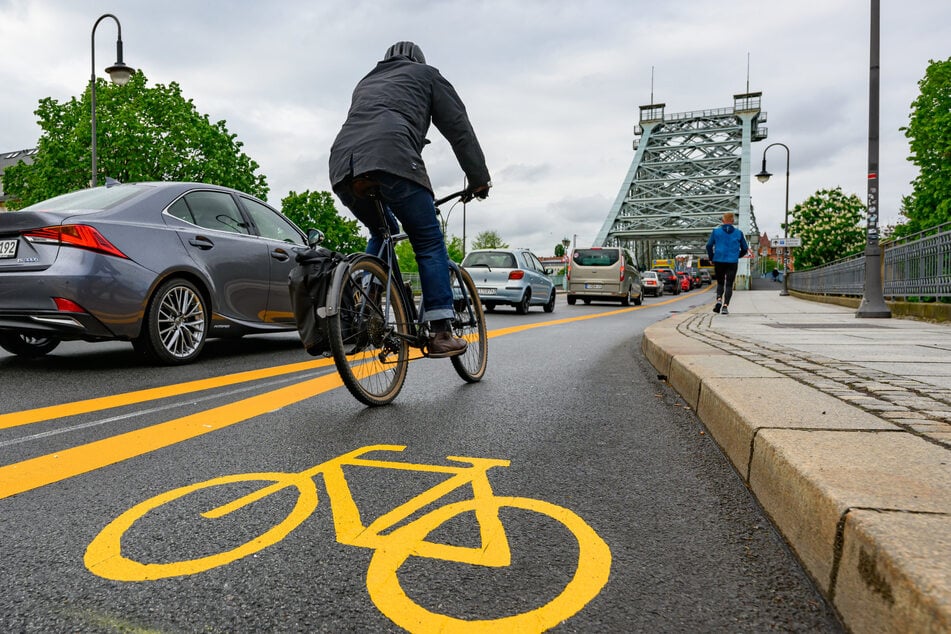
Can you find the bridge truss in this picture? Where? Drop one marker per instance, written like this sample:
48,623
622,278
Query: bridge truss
688,169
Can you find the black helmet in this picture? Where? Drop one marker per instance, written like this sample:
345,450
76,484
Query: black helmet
406,49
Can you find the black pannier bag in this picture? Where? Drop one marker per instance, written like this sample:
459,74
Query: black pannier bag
309,282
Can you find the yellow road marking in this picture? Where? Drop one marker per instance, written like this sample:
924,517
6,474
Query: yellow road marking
40,414
43,470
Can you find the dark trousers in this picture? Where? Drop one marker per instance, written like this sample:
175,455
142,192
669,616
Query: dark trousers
725,273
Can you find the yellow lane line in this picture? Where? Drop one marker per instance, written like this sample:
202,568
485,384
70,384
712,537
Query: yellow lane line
43,470
25,417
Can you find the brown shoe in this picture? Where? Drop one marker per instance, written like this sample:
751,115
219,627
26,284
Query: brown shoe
443,344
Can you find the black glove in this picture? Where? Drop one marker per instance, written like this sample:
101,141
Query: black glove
479,191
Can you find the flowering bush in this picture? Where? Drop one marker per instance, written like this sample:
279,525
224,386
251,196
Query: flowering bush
829,223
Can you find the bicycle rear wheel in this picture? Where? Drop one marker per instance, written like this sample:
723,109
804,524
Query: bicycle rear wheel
368,335
468,323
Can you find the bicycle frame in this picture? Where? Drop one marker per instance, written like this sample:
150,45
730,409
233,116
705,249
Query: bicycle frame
387,258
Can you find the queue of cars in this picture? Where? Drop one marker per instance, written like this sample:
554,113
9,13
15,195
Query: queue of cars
168,265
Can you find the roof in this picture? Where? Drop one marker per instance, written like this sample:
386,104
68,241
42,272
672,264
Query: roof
12,158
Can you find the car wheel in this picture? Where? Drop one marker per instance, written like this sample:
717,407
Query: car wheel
27,346
489,308
639,299
176,324
571,300
522,307
550,306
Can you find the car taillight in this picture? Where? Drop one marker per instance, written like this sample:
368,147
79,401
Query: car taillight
80,236
622,272
67,305
568,271
516,275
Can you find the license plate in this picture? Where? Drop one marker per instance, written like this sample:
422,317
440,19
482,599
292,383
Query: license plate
594,286
486,290
8,248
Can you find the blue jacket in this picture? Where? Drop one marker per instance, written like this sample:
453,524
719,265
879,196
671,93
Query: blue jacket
726,244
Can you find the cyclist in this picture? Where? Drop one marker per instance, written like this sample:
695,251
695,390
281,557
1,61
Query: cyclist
725,247
382,139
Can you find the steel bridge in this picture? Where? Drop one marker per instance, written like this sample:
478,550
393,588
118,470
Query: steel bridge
688,169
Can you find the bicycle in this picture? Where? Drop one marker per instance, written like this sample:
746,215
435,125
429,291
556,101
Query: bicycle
373,319
409,530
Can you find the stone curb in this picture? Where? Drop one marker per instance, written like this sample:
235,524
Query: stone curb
862,502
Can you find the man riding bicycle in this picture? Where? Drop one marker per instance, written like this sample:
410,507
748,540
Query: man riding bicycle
381,142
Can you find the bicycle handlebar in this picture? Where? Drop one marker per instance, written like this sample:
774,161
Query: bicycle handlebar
464,194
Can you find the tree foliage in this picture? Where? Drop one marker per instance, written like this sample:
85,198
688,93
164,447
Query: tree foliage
488,240
143,134
316,210
829,223
929,132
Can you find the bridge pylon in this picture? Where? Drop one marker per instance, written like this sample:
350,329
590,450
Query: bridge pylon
688,169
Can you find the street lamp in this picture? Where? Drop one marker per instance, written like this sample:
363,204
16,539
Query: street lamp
762,177
873,302
119,73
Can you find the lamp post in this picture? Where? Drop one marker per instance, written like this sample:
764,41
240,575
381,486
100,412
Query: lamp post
566,244
762,177
118,72
873,302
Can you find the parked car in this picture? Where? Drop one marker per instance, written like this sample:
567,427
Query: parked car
684,280
162,265
652,284
604,273
671,282
706,277
512,277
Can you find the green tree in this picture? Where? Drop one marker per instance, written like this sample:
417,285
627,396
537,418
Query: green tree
929,132
488,240
829,223
143,134
316,210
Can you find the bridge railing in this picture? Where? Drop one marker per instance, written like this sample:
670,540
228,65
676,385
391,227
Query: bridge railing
916,266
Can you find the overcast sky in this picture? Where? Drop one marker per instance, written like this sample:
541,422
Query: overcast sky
552,87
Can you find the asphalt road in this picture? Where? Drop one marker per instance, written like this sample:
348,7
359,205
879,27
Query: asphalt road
605,507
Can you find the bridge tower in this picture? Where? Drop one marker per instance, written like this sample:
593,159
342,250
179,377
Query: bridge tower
688,169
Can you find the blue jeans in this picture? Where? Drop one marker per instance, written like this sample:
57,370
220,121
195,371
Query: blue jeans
411,204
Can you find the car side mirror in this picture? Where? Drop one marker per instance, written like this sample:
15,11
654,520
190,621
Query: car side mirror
314,237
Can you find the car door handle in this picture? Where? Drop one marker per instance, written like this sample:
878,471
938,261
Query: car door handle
201,242
280,255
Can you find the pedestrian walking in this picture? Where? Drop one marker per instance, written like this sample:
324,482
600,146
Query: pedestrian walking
725,248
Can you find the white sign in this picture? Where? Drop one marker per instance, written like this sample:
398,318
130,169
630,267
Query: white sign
785,242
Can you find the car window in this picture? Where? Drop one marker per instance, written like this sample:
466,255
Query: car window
535,263
596,257
270,224
211,210
493,259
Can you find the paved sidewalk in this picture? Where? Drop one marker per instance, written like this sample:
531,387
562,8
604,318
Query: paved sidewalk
841,427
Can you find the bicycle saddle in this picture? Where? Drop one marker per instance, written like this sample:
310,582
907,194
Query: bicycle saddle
365,187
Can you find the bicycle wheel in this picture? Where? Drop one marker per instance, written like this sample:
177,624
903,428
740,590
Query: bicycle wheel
468,323
368,335
411,540
104,555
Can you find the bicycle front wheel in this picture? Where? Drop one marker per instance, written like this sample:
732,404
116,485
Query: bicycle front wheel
368,335
468,323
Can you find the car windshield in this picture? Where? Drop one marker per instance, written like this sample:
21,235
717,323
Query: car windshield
596,257
94,199
492,259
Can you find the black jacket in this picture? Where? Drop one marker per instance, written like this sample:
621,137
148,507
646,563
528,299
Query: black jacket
389,117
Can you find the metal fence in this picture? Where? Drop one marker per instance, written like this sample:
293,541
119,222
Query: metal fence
916,266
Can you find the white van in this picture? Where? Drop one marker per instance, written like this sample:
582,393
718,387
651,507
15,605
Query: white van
605,273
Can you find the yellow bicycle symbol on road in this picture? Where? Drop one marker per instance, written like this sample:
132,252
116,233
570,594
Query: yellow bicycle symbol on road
393,536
